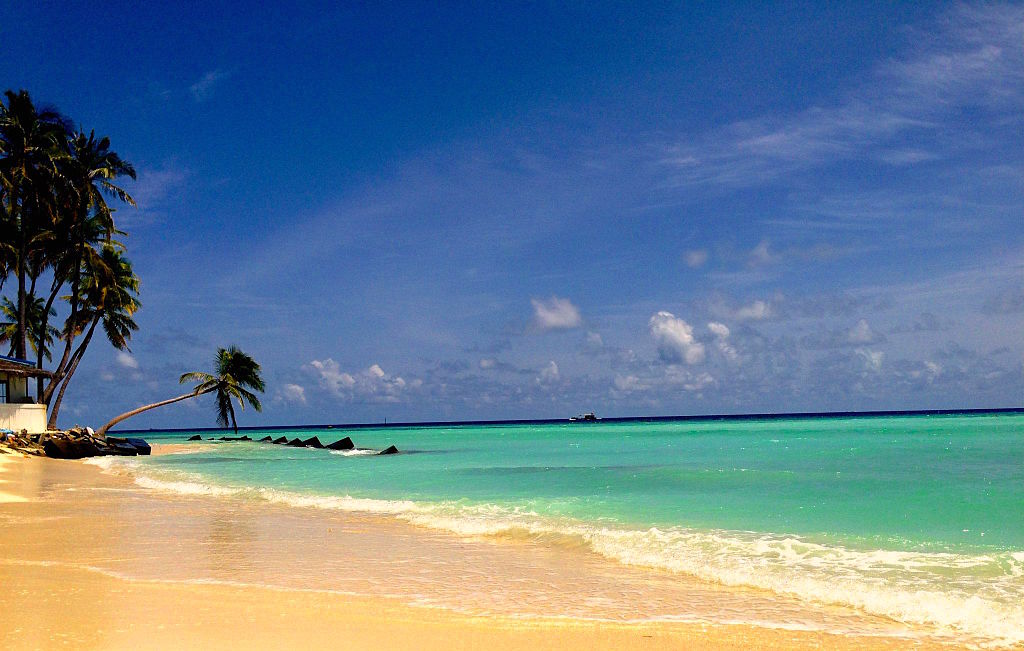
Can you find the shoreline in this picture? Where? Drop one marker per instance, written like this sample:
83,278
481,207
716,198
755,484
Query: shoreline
48,492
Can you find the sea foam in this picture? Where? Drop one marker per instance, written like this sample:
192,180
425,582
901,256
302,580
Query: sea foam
975,597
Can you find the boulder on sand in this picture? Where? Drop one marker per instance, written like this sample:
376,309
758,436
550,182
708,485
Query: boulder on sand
313,442
121,447
344,444
195,438
61,449
389,450
140,445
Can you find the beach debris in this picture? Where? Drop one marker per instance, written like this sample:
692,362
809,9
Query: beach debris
313,442
389,450
75,443
342,444
195,437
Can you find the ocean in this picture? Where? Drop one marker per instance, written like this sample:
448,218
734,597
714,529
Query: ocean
918,519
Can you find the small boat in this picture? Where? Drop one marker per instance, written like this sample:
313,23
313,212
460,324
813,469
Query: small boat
583,418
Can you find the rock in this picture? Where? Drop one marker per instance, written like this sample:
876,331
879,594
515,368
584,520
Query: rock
280,441
195,438
313,442
267,439
61,449
141,446
121,447
296,443
389,450
344,444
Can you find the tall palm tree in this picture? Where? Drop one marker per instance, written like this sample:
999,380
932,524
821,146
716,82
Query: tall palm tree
84,220
235,373
35,324
109,291
31,144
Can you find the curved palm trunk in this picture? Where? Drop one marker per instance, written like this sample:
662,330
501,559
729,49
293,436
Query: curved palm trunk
128,414
75,359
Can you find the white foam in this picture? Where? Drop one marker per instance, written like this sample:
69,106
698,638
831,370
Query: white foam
978,596
354,453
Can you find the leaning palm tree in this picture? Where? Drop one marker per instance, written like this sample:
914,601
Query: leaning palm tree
235,374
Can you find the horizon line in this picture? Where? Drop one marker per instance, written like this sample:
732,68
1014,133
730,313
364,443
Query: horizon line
613,419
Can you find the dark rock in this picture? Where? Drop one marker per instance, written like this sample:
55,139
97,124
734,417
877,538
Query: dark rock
389,450
61,449
266,439
280,441
141,446
244,437
296,443
121,447
313,442
344,444
195,438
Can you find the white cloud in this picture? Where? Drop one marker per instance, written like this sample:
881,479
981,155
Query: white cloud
127,360
872,358
292,393
762,254
628,383
331,376
372,383
696,258
861,333
594,340
487,364
202,89
756,311
722,332
549,374
555,314
675,339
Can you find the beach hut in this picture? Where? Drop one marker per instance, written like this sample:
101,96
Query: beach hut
18,408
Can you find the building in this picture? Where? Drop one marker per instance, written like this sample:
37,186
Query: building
18,408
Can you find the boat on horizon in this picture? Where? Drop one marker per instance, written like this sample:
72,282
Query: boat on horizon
585,418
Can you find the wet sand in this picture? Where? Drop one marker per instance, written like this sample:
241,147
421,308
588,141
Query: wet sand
91,561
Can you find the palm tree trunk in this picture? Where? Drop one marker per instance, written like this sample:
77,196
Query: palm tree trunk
69,335
19,342
75,359
42,334
128,414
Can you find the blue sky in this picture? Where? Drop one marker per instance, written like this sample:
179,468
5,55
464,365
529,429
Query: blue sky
421,213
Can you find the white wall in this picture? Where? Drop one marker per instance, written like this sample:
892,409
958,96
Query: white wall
19,417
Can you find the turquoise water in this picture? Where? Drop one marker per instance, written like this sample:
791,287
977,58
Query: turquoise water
919,518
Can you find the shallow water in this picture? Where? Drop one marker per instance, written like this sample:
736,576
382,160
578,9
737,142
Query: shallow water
915,518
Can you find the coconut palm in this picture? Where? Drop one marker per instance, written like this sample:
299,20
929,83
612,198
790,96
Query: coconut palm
32,142
84,220
235,373
109,291
35,324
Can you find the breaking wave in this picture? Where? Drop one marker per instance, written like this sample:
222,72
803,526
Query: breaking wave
977,596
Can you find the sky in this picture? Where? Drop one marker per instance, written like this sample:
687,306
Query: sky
416,212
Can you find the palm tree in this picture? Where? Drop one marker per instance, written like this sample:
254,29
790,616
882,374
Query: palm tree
35,324
31,143
109,290
84,221
234,372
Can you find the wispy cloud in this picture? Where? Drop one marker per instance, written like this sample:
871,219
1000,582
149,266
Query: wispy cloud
204,87
973,59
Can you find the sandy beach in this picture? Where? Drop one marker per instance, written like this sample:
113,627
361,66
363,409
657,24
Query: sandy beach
91,561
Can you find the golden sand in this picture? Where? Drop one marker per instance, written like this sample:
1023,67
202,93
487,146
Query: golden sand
68,543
